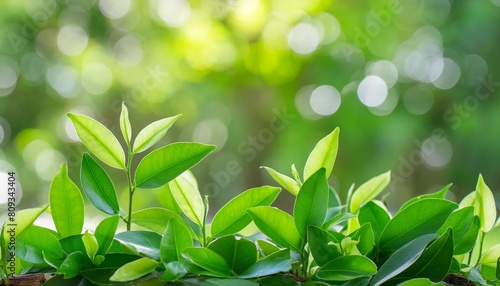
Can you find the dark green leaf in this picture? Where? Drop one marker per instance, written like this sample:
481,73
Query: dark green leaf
277,225
239,253
364,236
467,242
99,140
346,268
59,280
357,282
145,242
72,265
423,217
134,270
173,271
377,216
419,282
498,269
275,263
320,245
227,282
66,204
278,279
233,217
105,233
164,164
175,239
311,202
438,195
98,186
403,258
323,155
286,182
152,133
434,262
209,260
461,221
34,240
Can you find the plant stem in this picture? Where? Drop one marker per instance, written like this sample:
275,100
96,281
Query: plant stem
131,188
203,227
480,247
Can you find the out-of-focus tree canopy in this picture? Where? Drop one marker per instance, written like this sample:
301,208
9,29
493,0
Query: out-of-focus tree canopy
413,86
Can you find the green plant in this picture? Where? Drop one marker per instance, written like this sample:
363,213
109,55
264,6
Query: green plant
427,241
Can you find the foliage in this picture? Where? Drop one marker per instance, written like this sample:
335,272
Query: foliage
324,242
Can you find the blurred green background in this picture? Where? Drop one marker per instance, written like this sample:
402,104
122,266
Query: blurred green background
413,85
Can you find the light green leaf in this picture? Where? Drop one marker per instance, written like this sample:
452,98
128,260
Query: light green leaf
368,191
125,126
166,163
72,265
174,240
268,266
152,133
311,203
188,199
419,282
266,247
98,186
34,240
323,155
423,217
346,268
468,200
22,220
286,182
467,242
484,206
232,217
497,273
164,196
66,204
134,270
99,140
105,233
91,245
277,225
239,253
377,216
155,219
438,195
209,260
491,256
403,258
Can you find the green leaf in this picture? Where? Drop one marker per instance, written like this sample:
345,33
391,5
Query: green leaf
152,133
402,259
105,233
484,206
321,247
166,163
99,140
346,268
175,238
146,242
91,245
377,216
227,282
34,240
59,280
286,182
278,279
419,282
277,225
232,217
125,126
490,257
368,191
209,260
266,247
365,237
155,219
98,186
467,242
498,269
438,195
173,271
134,270
22,220
423,217
239,253
461,221
468,200
311,203
268,266
188,198
434,262
323,155
72,265
164,196
66,204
